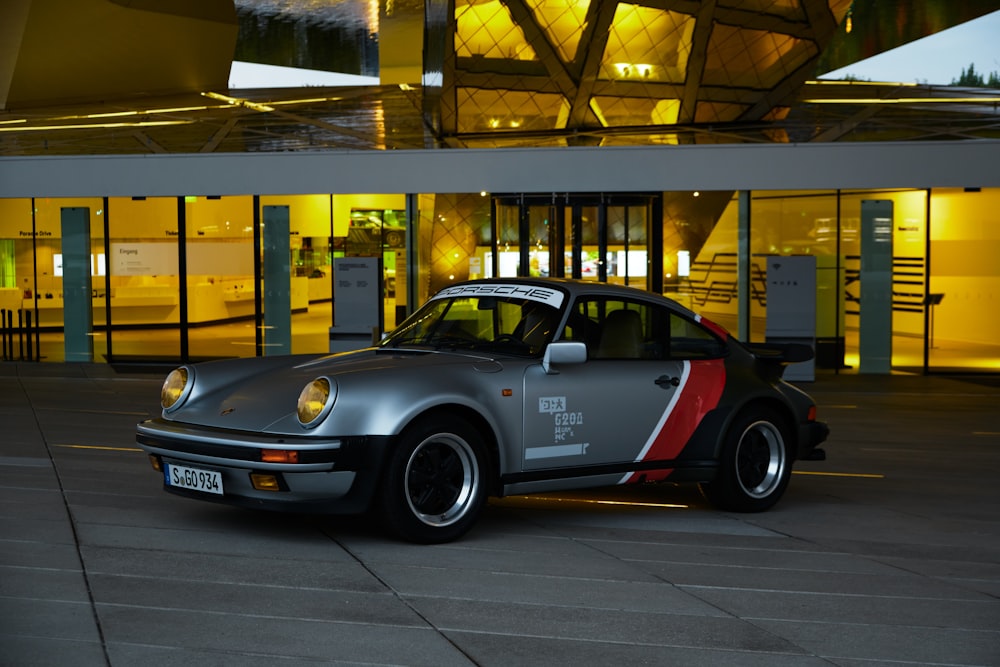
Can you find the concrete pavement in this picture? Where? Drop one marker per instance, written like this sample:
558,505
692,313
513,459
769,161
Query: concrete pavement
886,554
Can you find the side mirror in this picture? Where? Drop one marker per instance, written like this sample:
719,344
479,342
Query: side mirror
563,352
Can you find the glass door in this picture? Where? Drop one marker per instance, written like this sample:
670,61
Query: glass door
220,283
582,246
627,245
144,279
587,237
524,237
962,308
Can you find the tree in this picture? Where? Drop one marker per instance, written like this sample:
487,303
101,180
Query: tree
970,78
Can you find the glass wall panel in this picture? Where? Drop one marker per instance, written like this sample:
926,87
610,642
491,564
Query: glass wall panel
45,301
710,286
964,326
799,223
366,225
144,278
311,247
909,273
17,278
220,277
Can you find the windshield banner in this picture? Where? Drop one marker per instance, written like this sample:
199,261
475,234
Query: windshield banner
546,295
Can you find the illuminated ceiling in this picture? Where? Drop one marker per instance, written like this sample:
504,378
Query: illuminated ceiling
525,73
389,117
582,65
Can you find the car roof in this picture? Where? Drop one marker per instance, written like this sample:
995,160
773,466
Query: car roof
575,288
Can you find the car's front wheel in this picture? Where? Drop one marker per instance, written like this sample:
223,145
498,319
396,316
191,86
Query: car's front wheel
754,467
433,489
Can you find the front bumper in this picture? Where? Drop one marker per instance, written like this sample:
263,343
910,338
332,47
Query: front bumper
332,475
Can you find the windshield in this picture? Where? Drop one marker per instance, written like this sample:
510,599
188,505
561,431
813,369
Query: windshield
487,323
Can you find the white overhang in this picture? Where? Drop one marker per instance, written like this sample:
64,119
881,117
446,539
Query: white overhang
604,169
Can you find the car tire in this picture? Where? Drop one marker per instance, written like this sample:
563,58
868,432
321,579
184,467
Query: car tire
754,466
434,486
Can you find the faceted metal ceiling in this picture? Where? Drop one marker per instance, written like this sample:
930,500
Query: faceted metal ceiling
389,117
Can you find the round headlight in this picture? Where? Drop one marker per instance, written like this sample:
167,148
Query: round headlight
315,400
176,388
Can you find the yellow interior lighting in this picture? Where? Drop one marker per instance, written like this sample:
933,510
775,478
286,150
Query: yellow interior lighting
240,102
306,100
904,100
486,29
93,126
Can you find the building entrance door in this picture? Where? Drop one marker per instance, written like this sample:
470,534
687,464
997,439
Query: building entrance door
602,237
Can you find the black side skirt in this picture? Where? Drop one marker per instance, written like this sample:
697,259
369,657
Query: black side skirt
693,470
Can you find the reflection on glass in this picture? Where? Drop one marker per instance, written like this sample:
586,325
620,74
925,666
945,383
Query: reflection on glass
964,325
220,277
144,277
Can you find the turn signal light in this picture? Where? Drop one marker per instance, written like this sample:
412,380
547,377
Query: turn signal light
155,462
264,482
279,456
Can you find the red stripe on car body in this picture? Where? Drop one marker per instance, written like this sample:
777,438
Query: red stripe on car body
699,393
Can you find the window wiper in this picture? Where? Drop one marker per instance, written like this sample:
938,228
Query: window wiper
454,342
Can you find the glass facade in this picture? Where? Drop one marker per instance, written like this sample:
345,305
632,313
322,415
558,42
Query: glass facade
942,247
186,278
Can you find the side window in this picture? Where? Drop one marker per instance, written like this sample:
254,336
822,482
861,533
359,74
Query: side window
618,329
690,340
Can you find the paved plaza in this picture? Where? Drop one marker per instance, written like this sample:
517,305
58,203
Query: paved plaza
888,553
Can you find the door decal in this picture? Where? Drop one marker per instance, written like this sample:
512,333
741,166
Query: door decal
699,392
563,423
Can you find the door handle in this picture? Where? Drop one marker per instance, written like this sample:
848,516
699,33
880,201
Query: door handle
664,380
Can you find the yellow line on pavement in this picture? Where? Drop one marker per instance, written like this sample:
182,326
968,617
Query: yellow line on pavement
98,412
838,474
109,449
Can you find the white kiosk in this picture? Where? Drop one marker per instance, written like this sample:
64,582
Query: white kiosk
791,308
357,303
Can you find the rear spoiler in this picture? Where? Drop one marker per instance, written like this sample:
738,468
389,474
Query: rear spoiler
781,353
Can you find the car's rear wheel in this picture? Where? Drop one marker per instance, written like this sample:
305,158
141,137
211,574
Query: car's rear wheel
433,487
754,467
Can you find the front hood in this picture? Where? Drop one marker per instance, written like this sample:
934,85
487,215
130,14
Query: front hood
252,398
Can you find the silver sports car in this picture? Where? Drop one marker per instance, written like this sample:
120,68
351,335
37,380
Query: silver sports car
493,387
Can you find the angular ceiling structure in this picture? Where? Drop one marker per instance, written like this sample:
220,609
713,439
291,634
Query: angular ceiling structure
141,76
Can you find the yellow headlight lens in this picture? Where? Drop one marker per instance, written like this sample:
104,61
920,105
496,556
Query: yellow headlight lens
175,388
314,400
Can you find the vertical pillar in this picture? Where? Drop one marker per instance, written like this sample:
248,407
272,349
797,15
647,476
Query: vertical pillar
654,246
875,323
410,270
277,281
743,267
78,310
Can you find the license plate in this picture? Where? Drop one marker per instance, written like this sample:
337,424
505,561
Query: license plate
208,481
